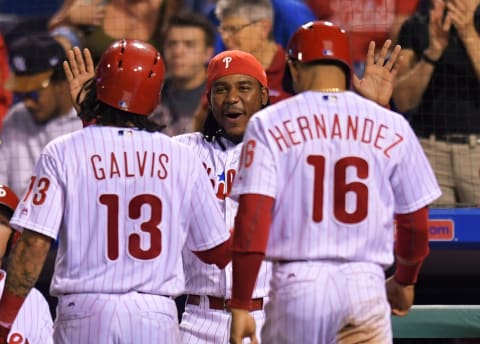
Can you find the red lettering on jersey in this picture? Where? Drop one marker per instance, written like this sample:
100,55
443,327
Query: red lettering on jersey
127,173
379,136
99,172
152,164
290,132
209,171
352,128
304,125
336,129
221,191
224,188
367,130
142,163
320,125
229,179
279,138
162,173
387,150
114,169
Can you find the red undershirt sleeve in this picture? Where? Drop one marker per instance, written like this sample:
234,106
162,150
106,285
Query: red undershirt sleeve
220,255
252,226
411,245
10,305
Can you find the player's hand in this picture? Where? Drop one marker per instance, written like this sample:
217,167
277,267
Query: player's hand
242,326
377,82
79,69
83,13
399,296
4,334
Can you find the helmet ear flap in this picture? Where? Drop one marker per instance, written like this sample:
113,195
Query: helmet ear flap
129,76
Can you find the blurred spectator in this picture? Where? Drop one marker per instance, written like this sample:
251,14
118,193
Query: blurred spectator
438,88
29,8
246,25
288,15
98,23
24,330
188,46
198,6
44,112
365,20
5,95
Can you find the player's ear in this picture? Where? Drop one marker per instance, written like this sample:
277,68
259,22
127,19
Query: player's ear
293,67
264,95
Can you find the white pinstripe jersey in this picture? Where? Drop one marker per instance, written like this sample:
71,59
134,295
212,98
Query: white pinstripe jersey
339,167
24,330
123,203
221,166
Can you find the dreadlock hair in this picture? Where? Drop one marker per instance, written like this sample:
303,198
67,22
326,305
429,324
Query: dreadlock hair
212,131
93,110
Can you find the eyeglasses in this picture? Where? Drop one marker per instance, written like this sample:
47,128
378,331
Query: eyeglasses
233,29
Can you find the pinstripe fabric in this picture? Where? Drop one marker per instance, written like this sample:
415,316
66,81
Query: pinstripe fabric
388,174
128,318
339,167
124,203
200,324
24,330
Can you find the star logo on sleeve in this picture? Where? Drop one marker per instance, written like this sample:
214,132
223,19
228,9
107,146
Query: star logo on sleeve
221,177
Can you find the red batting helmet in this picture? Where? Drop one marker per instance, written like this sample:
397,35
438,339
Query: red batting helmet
129,76
8,198
321,40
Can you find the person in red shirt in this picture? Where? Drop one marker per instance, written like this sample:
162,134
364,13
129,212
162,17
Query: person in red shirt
5,95
365,20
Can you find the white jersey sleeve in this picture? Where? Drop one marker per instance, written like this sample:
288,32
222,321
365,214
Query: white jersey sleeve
205,214
413,180
42,203
261,163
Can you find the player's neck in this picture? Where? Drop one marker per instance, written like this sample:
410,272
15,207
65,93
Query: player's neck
329,89
323,78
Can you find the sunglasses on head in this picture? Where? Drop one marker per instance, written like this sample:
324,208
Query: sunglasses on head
33,95
20,96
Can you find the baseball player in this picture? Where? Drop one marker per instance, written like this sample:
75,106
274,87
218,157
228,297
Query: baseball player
23,330
123,199
321,176
236,88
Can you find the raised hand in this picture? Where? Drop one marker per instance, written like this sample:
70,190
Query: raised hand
83,13
377,82
462,14
79,69
438,30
